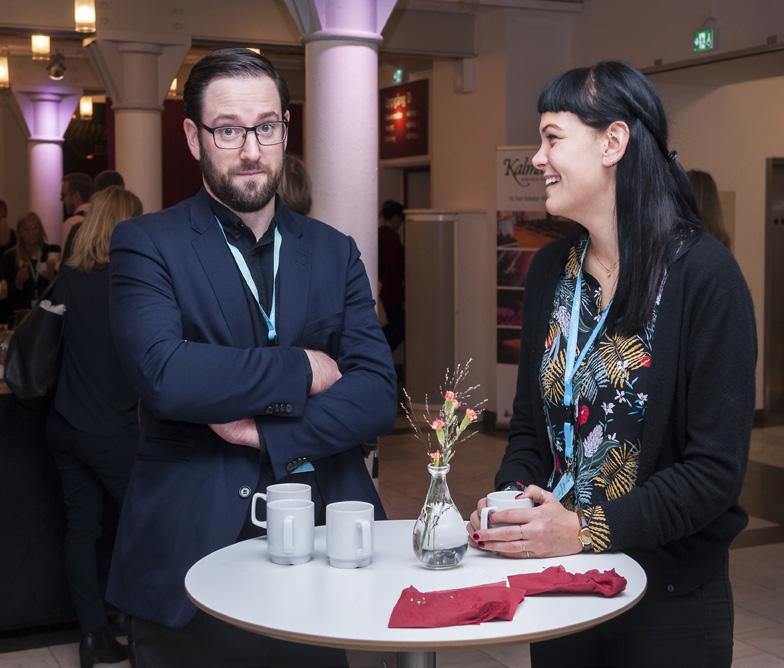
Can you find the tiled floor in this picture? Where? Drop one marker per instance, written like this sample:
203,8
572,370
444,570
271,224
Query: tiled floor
756,560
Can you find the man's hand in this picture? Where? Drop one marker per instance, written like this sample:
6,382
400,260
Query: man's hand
325,371
239,432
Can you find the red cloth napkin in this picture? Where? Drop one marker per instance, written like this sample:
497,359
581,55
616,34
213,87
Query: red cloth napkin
454,607
557,579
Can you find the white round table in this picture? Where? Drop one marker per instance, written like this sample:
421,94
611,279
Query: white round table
316,604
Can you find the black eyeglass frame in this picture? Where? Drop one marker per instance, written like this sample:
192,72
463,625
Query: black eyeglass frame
247,130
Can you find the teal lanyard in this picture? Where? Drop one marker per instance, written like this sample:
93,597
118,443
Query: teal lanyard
272,333
571,349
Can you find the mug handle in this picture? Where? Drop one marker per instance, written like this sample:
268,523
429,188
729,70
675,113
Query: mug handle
484,516
366,546
288,535
258,523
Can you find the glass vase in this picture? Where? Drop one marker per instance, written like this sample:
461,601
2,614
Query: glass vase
440,537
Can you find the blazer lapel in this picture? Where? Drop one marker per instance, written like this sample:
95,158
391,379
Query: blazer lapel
218,263
293,277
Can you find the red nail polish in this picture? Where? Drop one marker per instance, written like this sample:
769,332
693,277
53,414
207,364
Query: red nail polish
475,536
520,495
480,543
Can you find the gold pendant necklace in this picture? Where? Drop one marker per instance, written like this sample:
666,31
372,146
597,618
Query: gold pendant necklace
609,269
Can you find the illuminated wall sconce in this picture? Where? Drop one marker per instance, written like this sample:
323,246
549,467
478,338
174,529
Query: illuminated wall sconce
173,88
250,48
84,15
86,108
5,79
40,46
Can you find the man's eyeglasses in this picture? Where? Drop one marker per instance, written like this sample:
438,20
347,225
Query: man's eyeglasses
267,133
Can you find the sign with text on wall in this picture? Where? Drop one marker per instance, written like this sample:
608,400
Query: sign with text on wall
403,120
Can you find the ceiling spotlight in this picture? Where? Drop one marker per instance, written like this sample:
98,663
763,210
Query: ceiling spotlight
55,68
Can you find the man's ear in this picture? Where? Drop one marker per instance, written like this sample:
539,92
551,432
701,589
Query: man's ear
616,139
192,137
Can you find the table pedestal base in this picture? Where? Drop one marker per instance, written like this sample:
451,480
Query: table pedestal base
416,660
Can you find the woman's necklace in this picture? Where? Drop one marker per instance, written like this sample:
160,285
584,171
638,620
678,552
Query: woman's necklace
610,270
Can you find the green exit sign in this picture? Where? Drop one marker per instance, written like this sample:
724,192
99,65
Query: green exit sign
704,40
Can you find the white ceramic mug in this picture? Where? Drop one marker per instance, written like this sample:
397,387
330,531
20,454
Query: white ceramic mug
290,531
501,501
350,534
283,490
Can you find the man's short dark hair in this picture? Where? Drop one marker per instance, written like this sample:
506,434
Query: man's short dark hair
390,209
81,183
108,177
242,63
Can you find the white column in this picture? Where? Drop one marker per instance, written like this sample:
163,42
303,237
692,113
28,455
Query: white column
137,71
47,112
341,114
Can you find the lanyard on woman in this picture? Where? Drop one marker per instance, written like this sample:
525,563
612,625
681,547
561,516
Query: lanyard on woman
272,333
572,364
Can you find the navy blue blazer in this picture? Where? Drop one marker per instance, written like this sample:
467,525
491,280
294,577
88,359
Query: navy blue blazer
184,334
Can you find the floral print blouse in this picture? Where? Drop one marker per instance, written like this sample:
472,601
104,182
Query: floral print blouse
610,393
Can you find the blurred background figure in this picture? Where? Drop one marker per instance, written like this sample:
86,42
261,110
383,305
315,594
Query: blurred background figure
75,192
108,177
294,188
391,271
7,234
27,267
92,428
707,195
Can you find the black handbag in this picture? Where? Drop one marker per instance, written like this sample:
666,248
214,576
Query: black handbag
32,363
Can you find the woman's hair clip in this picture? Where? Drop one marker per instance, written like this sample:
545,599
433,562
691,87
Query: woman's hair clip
672,155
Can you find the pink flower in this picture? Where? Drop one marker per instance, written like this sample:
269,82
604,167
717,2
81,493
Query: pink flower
470,414
437,424
449,395
582,418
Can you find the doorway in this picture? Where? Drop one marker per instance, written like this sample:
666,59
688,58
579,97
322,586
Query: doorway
773,373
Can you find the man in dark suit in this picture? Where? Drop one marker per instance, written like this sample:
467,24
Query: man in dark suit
250,333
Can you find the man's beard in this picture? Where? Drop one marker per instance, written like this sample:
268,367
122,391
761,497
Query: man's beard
247,199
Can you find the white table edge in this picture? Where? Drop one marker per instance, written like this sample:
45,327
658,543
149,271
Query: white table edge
408,645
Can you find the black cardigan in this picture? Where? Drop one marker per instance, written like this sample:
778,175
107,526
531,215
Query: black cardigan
681,516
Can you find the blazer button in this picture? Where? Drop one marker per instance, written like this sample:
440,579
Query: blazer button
291,466
670,588
288,408
268,411
244,492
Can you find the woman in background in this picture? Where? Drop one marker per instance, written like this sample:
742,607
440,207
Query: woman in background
708,204
635,390
26,268
91,429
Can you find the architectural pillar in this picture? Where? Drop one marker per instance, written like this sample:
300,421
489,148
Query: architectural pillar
47,110
341,114
137,70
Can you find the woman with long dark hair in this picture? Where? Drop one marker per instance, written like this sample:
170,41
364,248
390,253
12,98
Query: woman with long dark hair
635,392
92,428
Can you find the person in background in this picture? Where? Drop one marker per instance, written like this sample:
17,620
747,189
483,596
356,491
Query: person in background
707,195
7,233
106,178
295,188
91,429
28,267
75,192
635,388
391,271
7,240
